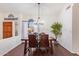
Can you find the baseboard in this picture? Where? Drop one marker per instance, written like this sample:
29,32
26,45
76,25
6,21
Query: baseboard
75,53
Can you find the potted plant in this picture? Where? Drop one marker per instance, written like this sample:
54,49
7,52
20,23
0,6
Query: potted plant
56,29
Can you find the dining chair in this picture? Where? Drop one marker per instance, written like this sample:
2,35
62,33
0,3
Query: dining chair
30,44
44,43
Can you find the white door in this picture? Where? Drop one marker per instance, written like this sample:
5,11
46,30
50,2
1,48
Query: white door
24,30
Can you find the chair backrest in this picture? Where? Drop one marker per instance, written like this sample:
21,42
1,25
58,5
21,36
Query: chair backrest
32,40
44,42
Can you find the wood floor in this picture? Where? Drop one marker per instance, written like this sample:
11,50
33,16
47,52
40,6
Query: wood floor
58,51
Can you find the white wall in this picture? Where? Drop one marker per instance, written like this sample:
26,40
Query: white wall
1,28
8,44
70,31
66,20
75,28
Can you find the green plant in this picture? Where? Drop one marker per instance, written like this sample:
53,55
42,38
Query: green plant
56,29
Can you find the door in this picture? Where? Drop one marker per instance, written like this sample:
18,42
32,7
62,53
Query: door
7,29
24,30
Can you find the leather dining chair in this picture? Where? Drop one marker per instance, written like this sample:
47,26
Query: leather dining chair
30,44
45,43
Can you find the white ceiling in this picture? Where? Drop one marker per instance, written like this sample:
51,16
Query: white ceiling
53,9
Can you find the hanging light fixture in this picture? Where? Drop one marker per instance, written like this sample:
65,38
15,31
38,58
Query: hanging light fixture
38,17
38,11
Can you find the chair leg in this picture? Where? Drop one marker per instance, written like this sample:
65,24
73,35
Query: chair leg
25,48
24,52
